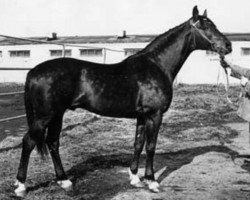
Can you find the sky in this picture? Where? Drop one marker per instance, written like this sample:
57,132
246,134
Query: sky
24,18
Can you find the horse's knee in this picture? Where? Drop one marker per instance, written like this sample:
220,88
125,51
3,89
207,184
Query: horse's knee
150,148
28,142
138,145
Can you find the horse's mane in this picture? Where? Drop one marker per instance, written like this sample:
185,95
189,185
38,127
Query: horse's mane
164,39
161,41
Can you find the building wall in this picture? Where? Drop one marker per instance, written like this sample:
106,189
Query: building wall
203,68
200,67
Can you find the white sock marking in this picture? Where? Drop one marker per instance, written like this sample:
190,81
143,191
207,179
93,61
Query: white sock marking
153,185
21,189
134,179
65,184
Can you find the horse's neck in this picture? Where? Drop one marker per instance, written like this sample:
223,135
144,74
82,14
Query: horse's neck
170,50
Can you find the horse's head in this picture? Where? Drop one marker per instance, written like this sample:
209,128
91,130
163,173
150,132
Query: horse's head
206,36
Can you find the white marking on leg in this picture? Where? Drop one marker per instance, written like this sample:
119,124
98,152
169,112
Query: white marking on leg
21,189
153,185
135,180
65,184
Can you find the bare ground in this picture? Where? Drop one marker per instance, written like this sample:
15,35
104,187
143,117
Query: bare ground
197,152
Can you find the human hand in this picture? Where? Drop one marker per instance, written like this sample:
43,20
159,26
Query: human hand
224,64
243,81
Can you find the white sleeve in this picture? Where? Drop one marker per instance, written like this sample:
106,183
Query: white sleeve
229,70
243,81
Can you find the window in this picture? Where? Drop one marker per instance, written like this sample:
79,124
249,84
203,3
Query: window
211,53
20,53
91,52
59,53
131,51
245,51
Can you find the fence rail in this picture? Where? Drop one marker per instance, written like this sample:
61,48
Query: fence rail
11,93
12,118
14,68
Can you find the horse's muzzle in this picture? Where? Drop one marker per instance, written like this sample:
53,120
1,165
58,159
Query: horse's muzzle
222,50
228,47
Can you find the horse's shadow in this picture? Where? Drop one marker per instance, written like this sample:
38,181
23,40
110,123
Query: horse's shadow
171,160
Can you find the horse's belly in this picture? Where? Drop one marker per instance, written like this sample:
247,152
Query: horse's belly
114,106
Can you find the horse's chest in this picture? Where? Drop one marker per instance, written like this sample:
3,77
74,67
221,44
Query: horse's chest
154,97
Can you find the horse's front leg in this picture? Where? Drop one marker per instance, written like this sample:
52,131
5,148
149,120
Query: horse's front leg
138,146
152,128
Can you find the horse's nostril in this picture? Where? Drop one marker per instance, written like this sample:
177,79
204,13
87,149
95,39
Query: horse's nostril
229,46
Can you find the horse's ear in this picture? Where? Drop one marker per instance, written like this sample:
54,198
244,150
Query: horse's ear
205,13
195,13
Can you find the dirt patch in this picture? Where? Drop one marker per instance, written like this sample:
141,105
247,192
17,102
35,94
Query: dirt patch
203,178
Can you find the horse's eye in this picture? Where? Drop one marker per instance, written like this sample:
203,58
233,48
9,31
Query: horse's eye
205,27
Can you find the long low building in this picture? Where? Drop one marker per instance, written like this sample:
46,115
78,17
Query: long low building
202,67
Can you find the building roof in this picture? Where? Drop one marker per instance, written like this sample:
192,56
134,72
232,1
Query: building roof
102,39
238,36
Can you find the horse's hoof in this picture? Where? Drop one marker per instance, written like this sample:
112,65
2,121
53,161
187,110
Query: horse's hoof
136,183
135,180
65,184
153,185
21,189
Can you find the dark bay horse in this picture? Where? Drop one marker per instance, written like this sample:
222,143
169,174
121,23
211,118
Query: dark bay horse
139,87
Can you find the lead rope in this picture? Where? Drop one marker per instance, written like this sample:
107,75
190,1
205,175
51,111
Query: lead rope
217,82
198,30
227,84
221,57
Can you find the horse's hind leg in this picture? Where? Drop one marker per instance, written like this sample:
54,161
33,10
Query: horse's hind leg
29,142
52,141
138,146
27,147
152,128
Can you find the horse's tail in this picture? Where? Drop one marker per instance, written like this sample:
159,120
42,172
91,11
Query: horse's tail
27,103
35,130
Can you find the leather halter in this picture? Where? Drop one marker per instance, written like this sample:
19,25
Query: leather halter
221,57
202,34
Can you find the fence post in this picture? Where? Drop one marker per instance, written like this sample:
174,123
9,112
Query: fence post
63,53
104,55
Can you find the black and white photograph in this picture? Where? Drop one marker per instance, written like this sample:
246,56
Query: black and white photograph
125,100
